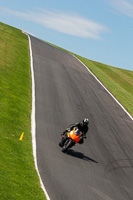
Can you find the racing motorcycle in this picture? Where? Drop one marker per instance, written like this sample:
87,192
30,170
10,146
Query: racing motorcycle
70,139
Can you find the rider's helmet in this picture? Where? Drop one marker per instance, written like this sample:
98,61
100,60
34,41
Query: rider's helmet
85,121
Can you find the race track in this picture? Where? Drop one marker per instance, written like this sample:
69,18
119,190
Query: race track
101,168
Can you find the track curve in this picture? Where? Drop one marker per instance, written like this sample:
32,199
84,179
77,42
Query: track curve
101,168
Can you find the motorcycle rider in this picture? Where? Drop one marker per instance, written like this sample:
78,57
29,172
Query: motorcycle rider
82,126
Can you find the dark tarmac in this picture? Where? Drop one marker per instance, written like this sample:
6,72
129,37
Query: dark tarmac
101,168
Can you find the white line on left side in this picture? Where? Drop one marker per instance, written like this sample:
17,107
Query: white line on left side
33,121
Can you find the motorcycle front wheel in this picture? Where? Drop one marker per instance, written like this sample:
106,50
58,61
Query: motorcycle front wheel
68,144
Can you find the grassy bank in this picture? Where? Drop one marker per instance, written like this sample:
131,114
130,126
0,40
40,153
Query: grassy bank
18,177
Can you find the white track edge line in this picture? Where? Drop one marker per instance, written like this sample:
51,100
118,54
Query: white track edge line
104,87
33,122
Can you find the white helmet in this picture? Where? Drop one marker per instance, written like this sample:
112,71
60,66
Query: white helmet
86,121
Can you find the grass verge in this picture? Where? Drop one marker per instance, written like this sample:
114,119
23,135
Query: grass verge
18,177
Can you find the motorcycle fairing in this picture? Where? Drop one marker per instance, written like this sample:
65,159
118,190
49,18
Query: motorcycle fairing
74,134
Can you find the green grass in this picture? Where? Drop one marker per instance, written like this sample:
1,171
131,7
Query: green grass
118,81
18,177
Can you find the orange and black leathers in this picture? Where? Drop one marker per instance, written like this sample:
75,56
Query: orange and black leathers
83,128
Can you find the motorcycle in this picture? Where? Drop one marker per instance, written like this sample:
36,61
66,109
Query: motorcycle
70,139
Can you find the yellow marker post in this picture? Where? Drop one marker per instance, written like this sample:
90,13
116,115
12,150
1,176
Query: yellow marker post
21,137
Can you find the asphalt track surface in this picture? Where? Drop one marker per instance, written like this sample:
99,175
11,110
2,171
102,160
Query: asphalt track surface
101,168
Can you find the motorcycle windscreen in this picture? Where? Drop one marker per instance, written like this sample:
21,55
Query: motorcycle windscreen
74,135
